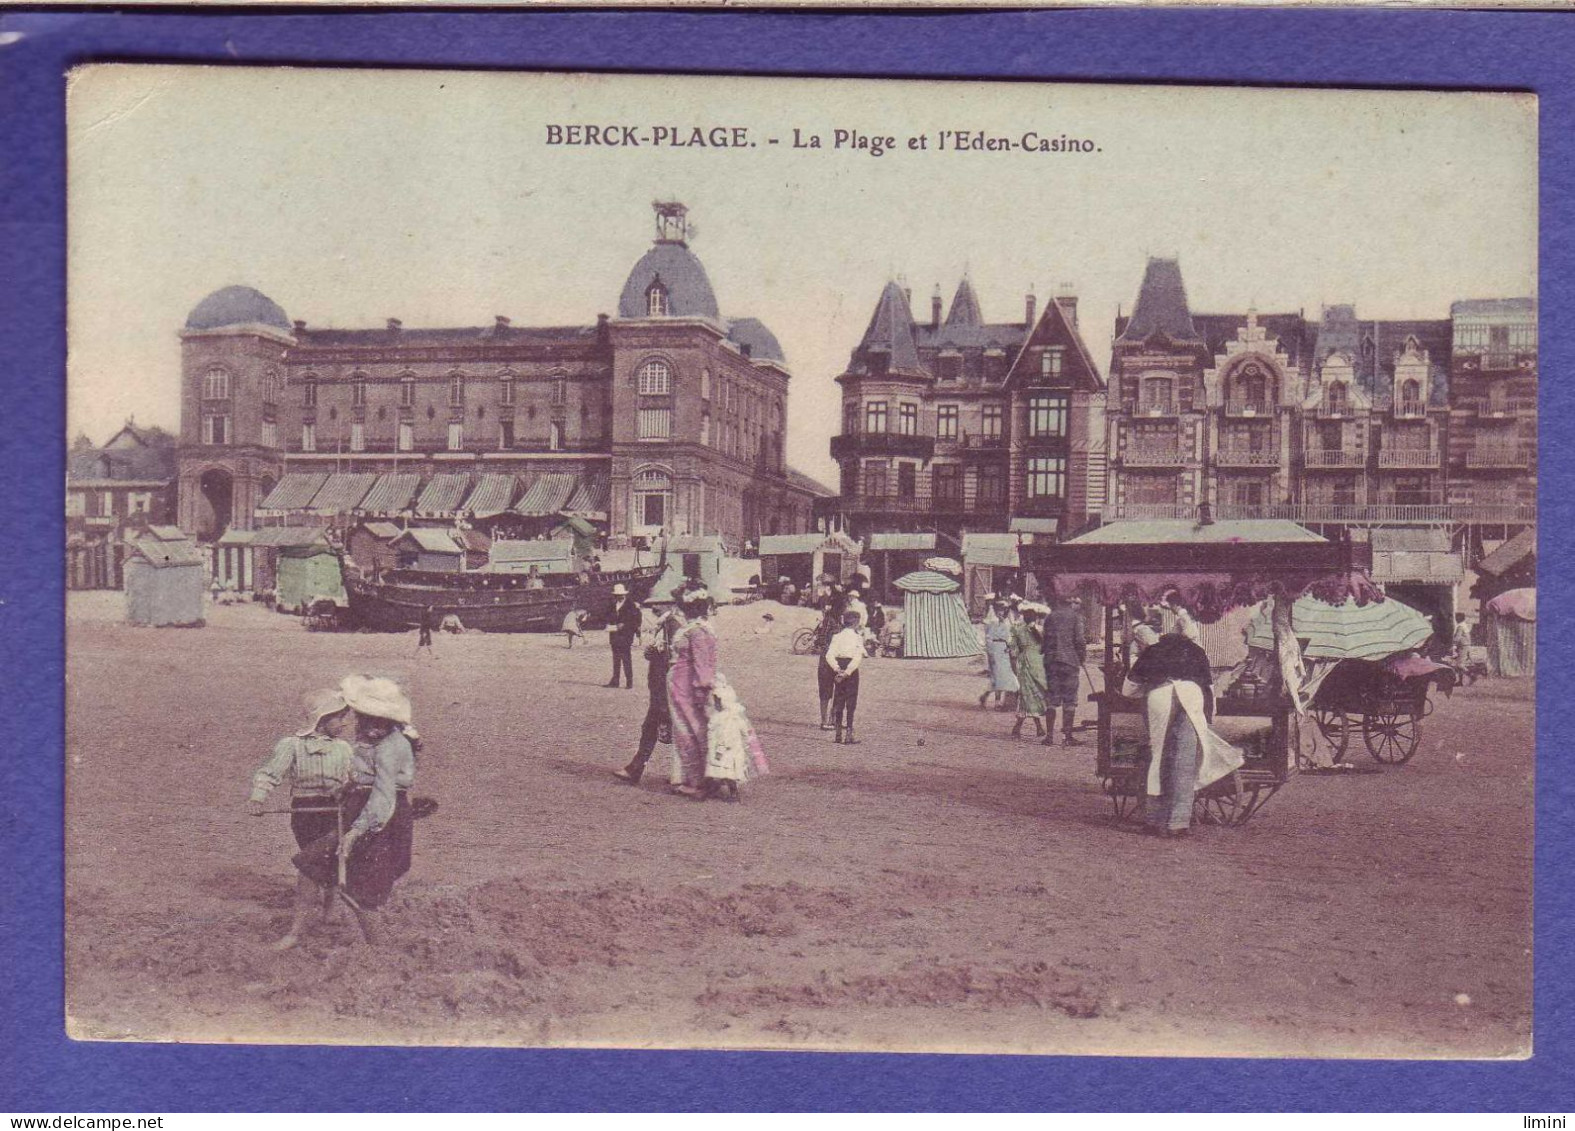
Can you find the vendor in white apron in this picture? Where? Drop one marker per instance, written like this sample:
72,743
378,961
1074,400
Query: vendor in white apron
1186,755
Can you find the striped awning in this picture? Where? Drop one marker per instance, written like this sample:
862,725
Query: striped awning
294,491
590,497
492,495
342,493
443,494
546,496
390,494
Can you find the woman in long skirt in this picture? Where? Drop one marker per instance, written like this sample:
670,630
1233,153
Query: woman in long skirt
1025,646
690,676
997,655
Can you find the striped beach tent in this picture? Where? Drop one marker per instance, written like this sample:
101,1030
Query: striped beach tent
1349,631
935,622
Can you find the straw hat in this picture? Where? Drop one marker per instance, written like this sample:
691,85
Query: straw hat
695,597
327,701
620,590
372,695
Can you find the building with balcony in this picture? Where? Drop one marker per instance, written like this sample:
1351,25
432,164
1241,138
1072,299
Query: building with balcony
956,424
1334,421
113,493
1491,451
667,417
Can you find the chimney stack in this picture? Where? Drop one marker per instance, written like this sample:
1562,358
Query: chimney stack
395,325
1030,308
501,322
935,308
300,326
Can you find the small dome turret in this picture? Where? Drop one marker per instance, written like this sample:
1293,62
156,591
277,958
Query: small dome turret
237,306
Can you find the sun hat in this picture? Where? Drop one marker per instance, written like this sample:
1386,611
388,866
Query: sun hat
620,590
376,696
320,704
694,596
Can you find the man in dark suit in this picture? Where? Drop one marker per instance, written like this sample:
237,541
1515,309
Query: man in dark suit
623,628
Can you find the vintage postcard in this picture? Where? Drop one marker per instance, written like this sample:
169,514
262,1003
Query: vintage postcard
648,561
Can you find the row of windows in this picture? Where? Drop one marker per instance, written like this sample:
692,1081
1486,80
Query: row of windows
1045,478
405,437
456,391
1048,416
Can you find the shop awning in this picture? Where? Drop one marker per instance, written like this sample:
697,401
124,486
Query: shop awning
492,495
879,542
390,494
1034,525
443,493
545,496
294,491
996,550
342,493
590,498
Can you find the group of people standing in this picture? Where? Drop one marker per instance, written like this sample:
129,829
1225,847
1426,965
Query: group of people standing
1034,654
691,704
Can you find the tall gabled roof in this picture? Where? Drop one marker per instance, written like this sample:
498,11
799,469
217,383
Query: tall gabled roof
1161,305
890,333
965,309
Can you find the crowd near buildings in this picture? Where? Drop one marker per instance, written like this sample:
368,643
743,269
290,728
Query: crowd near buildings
958,434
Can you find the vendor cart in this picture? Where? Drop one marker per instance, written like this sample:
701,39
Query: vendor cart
1213,567
1362,697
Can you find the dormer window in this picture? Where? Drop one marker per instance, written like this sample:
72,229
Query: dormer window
1411,398
1050,362
1335,399
656,301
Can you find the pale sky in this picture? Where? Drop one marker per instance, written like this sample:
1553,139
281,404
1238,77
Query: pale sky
350,197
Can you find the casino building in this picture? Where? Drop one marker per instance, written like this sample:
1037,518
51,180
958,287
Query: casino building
666,417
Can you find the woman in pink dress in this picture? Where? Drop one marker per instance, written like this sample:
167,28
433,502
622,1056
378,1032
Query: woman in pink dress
690,677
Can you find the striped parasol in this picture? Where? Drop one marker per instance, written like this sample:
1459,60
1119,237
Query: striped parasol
926,581
1349,631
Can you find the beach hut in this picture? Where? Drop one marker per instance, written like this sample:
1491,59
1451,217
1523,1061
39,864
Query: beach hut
694,557
935,622
890,555
370,545
1510,624
428,548
517,555
164,580
299,563
802,558
990,565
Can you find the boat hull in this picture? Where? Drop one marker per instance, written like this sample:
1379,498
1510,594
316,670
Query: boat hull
484,602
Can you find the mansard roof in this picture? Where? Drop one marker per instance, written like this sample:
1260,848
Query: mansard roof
681,274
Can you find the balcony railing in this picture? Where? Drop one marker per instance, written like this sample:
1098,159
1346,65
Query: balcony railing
1333,458
922,502
851,444
1499,455
1246,457
1509,406
1408,457
1248,408
1343,512
1410,410
1155,455
1500,362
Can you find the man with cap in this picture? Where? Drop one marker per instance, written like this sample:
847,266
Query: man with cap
623,628
1065,648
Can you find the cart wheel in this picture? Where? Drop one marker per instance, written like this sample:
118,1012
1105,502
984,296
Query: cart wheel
1391,739
803,641
1335,727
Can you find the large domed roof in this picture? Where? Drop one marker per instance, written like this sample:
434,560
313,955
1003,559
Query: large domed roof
236,306
680,272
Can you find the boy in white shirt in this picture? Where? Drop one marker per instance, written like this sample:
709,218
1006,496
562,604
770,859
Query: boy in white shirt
843,656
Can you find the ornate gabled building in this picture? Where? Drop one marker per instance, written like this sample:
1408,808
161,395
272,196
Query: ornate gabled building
1339,421
957,424
666,418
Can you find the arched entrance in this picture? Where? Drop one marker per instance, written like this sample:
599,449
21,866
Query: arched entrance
216,495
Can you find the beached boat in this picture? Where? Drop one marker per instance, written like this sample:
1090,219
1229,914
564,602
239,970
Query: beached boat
485,601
